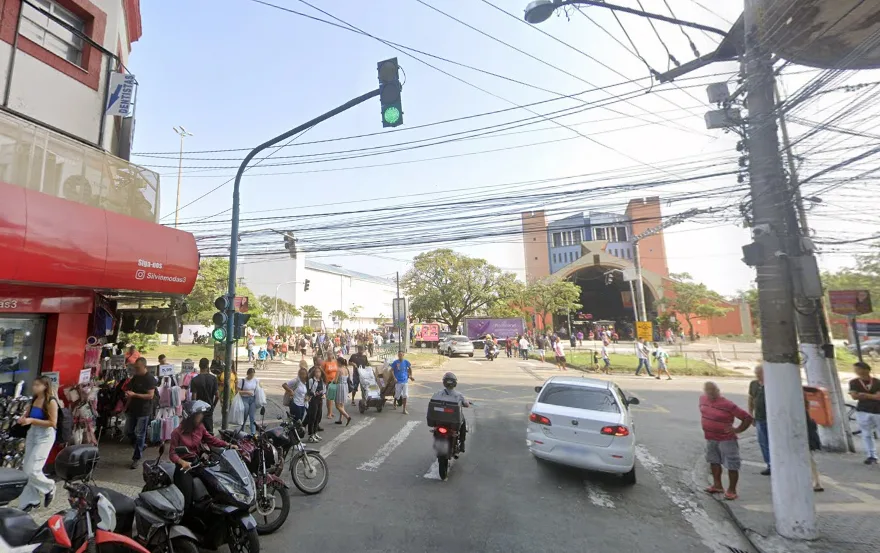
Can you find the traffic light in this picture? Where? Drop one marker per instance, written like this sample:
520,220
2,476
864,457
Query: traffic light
389,93
609,278
239,323
290,244
220,319
306,285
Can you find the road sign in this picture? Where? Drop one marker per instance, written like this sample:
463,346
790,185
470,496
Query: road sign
850,302
645,330
398,312
630,275
241,304
120,95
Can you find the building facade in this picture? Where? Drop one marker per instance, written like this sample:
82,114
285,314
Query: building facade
78,223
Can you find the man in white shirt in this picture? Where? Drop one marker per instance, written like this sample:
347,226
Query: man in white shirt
606,359
642,354
524,347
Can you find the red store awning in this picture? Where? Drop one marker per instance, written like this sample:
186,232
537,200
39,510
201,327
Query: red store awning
49,240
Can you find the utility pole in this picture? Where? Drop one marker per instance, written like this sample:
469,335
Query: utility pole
816,346
183,134
793,502
642,314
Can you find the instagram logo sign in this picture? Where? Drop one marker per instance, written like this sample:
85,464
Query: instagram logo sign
140,274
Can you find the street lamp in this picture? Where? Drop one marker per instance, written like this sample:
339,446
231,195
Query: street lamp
539,11
276,296
183,133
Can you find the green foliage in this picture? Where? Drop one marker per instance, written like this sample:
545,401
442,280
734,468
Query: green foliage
285,330
306,329
692,300
311,312
211,283
447,286
141,341
751,298
668,321
557,297
339,315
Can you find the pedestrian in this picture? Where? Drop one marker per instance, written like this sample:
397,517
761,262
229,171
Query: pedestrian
296,390
662,361
542,346
560,355
580,337
139,393
132,356
41,419
508,346
284,348
758,410
302,347
523,347
402,369
162,359
722,447
270,347
205,387
866,391
355,362
342,378
330,368
815,445
642,354
315,397
251,344
606,359
247,389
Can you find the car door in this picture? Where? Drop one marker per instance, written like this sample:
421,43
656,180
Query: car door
578,413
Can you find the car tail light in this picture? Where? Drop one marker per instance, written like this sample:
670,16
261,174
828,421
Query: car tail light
615,430
539,419
442,430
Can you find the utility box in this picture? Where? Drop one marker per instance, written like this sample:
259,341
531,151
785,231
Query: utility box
718,93
819,405
723,118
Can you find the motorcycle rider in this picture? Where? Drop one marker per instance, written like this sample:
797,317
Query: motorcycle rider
191,434
448,393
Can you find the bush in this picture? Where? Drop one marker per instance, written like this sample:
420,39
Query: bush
307,330
140,341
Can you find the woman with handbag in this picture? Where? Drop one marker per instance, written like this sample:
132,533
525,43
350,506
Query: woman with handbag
40,423
295,392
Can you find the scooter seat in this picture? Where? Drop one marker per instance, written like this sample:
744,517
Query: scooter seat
16,527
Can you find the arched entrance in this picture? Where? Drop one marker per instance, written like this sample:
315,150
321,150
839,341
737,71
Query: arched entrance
611,301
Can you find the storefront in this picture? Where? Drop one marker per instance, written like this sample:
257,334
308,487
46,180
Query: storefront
61,265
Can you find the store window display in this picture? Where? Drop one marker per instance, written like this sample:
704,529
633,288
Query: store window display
21,345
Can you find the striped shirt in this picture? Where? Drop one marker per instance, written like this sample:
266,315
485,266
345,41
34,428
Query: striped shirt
717,416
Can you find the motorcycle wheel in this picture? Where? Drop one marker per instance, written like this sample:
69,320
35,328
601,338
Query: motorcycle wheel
184,545
443,465
242,540
278,501
306,481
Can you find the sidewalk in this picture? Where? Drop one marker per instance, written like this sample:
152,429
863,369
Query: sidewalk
848,511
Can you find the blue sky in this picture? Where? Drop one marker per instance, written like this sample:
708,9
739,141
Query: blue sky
236,73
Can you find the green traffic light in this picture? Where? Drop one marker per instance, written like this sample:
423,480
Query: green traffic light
219,334
391,115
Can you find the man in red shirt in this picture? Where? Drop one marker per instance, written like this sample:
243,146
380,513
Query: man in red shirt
722,448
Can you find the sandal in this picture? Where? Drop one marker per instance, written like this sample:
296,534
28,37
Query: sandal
730,496
348,420
713,489
818,489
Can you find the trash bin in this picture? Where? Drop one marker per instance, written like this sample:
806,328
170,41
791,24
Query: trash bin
820,405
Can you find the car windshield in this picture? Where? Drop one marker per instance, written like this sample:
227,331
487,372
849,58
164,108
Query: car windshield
579,397
460,339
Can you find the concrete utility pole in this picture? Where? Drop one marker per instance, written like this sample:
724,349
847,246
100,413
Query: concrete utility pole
637,261
816,347
793,502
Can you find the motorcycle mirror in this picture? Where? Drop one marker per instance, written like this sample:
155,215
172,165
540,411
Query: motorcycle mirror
263,411
538,388
181,450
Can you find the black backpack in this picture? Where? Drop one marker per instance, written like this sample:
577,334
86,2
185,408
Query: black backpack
63,425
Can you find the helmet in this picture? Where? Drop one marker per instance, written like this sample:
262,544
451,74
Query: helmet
197,406
449,380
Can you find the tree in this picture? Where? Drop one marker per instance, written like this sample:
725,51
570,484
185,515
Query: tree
692,300
211,283
556,297
382,318
311,312
514,301
447,286
339,315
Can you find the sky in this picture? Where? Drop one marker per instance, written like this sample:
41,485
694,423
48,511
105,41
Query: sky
235,73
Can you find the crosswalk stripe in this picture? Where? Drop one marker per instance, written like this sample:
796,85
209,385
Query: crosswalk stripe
373,464
331,446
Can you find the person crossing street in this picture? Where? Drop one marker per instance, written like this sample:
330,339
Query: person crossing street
402,374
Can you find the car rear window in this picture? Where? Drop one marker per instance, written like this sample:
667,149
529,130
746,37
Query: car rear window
460,339
579,397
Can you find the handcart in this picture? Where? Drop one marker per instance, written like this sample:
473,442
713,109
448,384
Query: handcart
371,390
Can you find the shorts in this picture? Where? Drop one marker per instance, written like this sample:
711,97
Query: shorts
725,453
560,359
607,361
541,352
401,391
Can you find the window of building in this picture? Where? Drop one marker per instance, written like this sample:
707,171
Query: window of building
599,233
576,236
554,258
557,239
50,34
621,234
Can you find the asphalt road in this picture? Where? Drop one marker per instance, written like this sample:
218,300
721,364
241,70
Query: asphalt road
384,493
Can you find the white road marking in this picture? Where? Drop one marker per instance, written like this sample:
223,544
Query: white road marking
713,533
434,472
475,362
331,446
598,496
373,464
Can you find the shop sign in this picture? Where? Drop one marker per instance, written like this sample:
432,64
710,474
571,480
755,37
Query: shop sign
85,376
645,330
166,370
53,377
241,304
120,95
23,305
850,302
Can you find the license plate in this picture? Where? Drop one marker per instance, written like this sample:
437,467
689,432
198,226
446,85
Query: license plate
441,446
571,450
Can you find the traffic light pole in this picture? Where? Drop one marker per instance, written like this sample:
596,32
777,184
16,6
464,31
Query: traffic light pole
233,239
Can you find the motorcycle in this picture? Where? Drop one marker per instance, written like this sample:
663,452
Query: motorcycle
491,352
91,522
264,457
446,419
308,468
223,493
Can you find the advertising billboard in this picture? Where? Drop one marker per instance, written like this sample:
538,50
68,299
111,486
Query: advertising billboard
426,333
499,328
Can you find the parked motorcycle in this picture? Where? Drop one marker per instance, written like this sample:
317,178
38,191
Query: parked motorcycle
308,468
264,455
223,494
92,520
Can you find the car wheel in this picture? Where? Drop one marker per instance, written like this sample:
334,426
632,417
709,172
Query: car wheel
470,355
630,477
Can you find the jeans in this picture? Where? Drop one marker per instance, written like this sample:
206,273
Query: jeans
250,411
643,362
136,430
868,423
524,353
208,421
250,354
763,440
298,411
37,447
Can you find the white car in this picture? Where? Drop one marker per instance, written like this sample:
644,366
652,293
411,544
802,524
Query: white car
458,345
583,423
